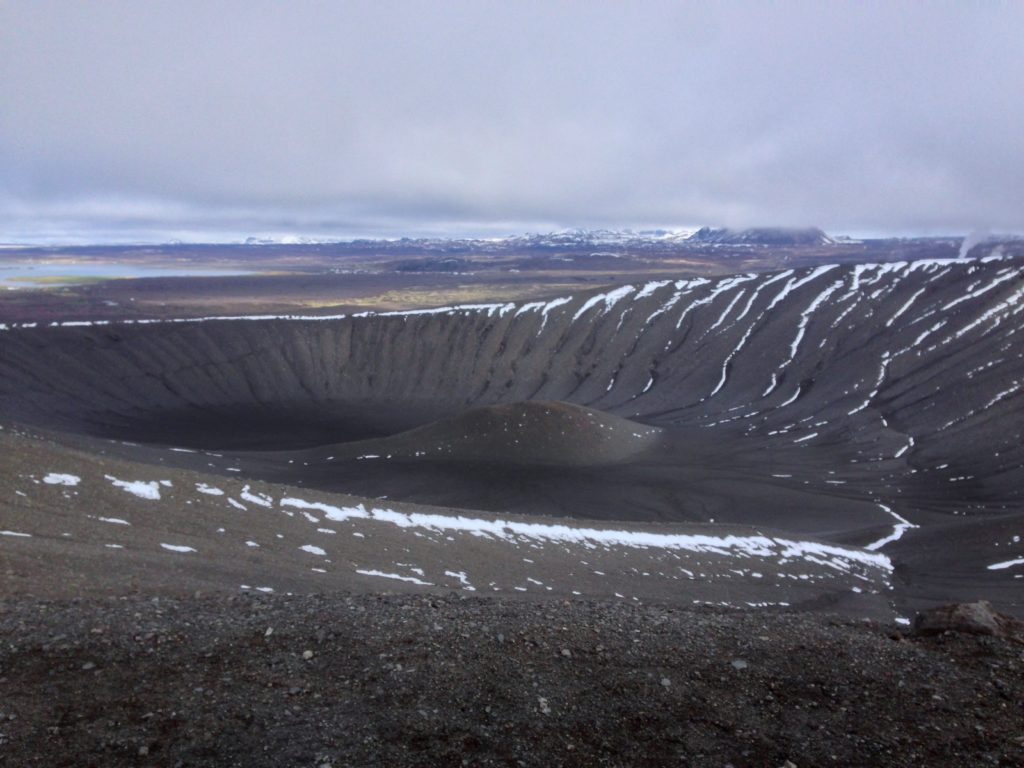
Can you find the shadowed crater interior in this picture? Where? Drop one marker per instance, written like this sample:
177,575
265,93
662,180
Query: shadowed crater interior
261,426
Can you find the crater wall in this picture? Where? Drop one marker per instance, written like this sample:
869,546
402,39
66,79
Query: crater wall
919,359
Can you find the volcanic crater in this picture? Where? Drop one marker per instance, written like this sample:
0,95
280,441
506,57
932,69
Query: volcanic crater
866,406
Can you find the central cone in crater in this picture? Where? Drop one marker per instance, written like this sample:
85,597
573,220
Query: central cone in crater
534,432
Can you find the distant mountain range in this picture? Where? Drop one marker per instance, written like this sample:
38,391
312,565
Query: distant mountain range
590,238
579,241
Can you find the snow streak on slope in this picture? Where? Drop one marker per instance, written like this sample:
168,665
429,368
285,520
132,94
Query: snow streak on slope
608,299
839,558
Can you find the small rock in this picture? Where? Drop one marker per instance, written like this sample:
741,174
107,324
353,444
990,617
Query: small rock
739,664
143,751
566,652
542,704
269,632
666,683
88,665
307,655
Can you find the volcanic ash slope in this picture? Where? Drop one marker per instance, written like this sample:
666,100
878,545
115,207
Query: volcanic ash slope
77,523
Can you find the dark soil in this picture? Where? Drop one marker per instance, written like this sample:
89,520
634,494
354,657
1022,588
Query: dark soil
427,680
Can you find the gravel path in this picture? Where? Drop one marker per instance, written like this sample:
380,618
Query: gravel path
405,680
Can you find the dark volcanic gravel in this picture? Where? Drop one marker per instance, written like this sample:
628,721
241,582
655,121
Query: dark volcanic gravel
426,680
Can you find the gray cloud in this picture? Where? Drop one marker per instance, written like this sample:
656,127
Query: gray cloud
393,117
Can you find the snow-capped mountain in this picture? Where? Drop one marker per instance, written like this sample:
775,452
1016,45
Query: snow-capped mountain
600,237
779,236
289,240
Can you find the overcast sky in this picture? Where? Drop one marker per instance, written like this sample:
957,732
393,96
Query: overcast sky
212,120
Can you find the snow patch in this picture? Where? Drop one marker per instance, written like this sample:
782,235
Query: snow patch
260,499
396,576
144,489
57,478
902,526
1006,564
463,579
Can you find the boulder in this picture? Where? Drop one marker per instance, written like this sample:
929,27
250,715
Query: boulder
978,618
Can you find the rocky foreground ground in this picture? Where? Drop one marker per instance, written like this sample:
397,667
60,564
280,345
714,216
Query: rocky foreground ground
403,680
